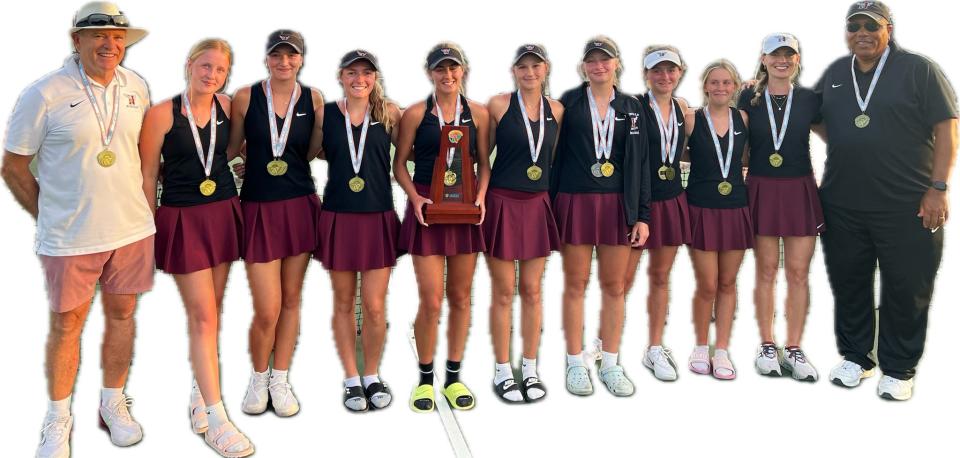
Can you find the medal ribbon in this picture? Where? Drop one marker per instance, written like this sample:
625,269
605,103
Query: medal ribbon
669,132
456,122
208,162
873,83
356,154
534,150
279,142
778,137
602,129
724,164
106,135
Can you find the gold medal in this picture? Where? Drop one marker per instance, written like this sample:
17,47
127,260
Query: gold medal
725,188
861,121
450,178
662,173
776,159
207,187
454,136
534,172
356,184
106,158
670,173
606,169
277,167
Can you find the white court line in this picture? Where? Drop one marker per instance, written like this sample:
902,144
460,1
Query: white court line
450,424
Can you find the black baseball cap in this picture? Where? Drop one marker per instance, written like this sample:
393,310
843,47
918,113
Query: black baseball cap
440,54
286,37
874,10
359,54
536,50
603,45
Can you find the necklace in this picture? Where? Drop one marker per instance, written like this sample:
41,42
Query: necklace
778,101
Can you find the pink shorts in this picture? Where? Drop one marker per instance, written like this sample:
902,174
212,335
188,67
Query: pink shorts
72,280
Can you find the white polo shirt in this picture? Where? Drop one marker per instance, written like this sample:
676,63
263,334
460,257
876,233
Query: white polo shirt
84,208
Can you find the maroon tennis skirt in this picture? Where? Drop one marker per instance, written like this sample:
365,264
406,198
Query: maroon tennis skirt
199,237
669,223
438,239
591,219
281,228
721,229
785,207
519,225
358,241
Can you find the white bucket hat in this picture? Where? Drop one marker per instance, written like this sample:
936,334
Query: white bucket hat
105,15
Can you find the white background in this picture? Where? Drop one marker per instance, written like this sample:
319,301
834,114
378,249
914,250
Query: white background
751,416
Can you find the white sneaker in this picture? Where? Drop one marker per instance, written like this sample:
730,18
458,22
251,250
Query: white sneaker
115,417
796,363
578,381
895,389
55,437
616,381
228,441
660,362
768,360
255,400
848,374
284,402
198,411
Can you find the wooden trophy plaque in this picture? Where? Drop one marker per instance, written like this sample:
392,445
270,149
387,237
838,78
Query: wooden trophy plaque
453,190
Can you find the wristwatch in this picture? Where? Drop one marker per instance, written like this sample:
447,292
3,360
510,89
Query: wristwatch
939,185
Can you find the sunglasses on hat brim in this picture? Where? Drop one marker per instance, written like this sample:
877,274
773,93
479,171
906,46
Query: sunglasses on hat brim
100,20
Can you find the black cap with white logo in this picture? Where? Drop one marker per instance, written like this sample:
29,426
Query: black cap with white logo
536,50
359,54
441,54
602,45
286,37
874,10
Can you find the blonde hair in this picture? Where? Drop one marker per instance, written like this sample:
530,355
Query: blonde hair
379,103
619,71
465,65
210,44
671,48
729,67
545,87
763,77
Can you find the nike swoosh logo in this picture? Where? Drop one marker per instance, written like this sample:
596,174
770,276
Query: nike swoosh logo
75,104
219,122
549,119
466,120
679,124
618,119
836,85
301,114
373,123
737,133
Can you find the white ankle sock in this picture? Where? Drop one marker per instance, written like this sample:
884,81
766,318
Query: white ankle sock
575,360
351,381
59,408
371,379
262,375
528,368
278,375
110,394
216,415
502,371
608,360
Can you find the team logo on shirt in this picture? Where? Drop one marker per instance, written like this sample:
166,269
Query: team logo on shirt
131,100
634,126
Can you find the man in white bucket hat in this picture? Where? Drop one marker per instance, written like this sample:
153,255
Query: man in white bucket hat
82,124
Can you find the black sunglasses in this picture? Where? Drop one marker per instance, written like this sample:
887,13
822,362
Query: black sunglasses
854,27
100,20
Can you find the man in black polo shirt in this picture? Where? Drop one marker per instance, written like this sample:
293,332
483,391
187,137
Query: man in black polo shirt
891,129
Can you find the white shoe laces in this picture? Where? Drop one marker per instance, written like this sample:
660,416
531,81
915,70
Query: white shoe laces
53,430
118,407
660,356
280,390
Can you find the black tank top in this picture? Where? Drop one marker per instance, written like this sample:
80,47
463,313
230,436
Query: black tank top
663,189
513,149
377,195
705,173
182,170
260,186
426,143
